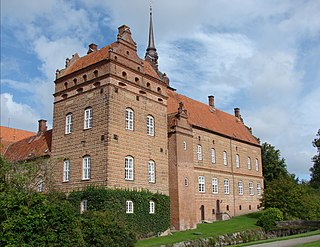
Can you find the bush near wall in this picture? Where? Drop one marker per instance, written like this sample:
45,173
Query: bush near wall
141,221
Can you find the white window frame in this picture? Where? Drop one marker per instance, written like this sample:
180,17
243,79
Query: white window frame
249,163
66,170
40,185
184,145
237,161
152,207
83,206
251,191
240,187
86,167
129,166
150,125
68,129
186,182
88,118
257,165
226,186
151,171
199,152
259,189
213,156
129,207
201,184
225,158
129,119
215,185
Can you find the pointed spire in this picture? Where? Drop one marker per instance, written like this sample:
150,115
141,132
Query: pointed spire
151,54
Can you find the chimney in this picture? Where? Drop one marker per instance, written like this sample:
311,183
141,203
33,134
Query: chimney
211,100
92,47
42,126
237,112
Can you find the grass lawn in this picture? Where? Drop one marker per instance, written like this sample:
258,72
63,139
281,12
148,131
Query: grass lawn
312,244
236,224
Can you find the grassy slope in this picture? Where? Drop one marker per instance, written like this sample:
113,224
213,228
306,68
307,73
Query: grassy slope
236,224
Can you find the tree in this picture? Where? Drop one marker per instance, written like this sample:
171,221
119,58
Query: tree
273,165
315,169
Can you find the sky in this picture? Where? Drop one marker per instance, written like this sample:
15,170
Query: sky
262,56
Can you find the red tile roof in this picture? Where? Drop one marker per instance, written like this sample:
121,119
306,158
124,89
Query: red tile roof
204,116
30,147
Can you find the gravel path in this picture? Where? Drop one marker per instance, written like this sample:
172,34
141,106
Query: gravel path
290,242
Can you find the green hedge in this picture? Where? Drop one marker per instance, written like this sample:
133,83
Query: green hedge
141,221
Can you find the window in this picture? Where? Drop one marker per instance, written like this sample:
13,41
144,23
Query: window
40,185
88,118
186,182
251,189
66,170
249,163
240,187
129,207
151,172
214,185
199,152
225,161
226,186
259,189
257,165
83,206
151,207
129,119
184,146
213,156
68,123
237,160
201,184
129,168
86,167
150,126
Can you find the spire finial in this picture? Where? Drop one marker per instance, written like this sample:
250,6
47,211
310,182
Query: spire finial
151,54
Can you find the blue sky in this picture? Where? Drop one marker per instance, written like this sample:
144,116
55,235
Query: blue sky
260,56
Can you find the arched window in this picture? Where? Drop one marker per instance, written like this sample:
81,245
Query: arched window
66,170
151,172
150,125
199,152
68,128
83,206
129,207
249,163
237,160
40,185
251,193
213,156
257,165
129,119
259,189
225,161
129,163
86,162
88,118
152,207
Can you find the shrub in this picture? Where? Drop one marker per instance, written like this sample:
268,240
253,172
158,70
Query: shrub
268,220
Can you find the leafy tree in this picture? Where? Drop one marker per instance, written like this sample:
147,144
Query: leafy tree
315,169
273,165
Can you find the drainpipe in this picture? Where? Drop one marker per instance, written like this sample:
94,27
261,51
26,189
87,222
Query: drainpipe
233,187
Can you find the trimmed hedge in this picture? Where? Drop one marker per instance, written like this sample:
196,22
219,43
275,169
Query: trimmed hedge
140,221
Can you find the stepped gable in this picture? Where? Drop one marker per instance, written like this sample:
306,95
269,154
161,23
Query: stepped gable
207,117
31,147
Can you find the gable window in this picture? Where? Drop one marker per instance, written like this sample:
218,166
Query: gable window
83,206
88,118
201,181
225,161
129,119
68,129
151,207
66,170
226,186
40,185
214,185
259,189
237,160
129,207
150,125
240,187
86,167
213,156
251,189
128,168
151,172
199,152
249,163
257,165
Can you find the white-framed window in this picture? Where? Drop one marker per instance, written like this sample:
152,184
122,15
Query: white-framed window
199,152
201,186
40,185
150,125
226,186
83,206
225,160
151,172
129,207
88,118
68,129
66,170
257,165
251,193
184,145
86,167
215,186
186,182
128,168
237,160
129,119
213,156
240,187
249,163
152,207
259,189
